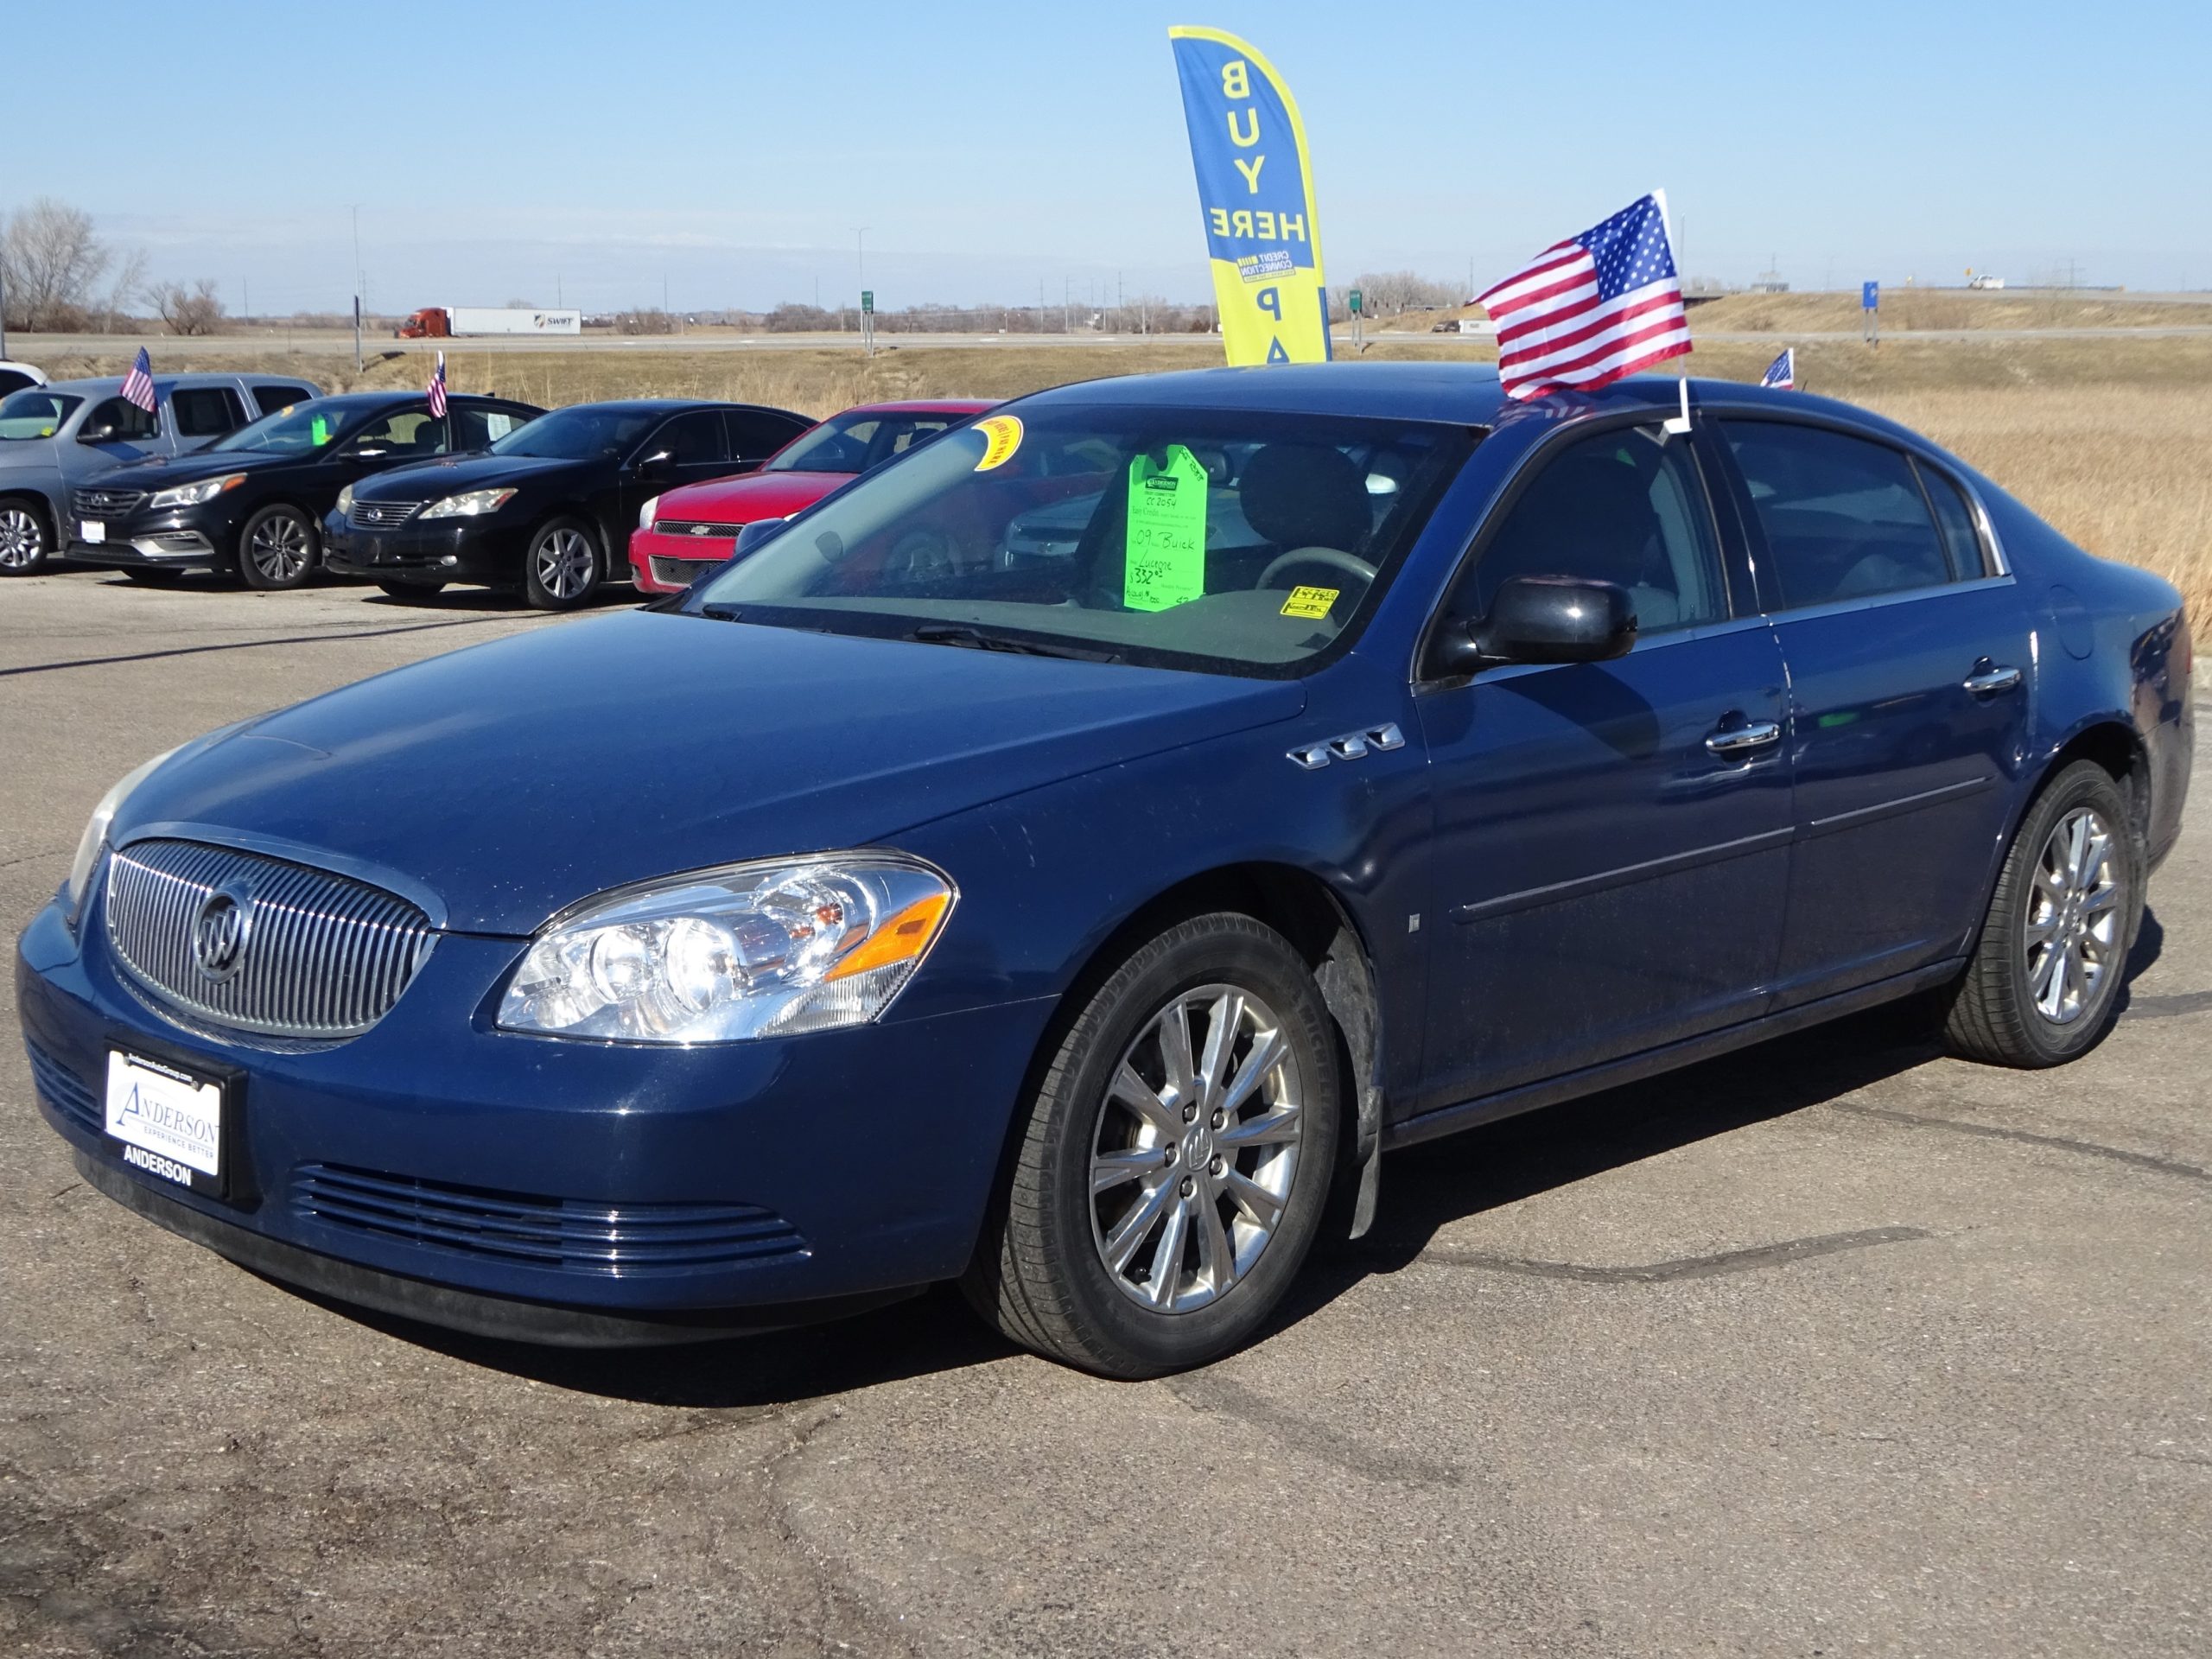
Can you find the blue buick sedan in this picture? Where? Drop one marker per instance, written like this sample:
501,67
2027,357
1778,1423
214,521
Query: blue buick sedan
1064,861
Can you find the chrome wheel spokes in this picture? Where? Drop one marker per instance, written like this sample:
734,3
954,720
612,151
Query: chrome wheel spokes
564,563
1195,1149
22,539
278,547
2072,938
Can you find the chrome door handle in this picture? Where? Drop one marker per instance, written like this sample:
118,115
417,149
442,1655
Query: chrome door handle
1988,682
1742,740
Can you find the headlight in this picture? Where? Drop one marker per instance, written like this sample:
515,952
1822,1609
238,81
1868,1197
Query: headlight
345,500
761,949
94,842
648,513
468,505
191,495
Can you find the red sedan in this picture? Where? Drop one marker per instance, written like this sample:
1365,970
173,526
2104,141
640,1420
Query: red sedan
691,529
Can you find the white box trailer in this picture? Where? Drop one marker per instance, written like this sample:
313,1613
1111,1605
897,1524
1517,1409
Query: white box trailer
499,320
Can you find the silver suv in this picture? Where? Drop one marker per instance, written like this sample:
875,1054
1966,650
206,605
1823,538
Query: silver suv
54,437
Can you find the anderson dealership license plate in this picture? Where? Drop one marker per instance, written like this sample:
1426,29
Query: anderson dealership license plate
94,531
171,1123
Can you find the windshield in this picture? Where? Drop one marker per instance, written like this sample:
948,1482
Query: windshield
580,433
299,428
1238,542
35,412
857,441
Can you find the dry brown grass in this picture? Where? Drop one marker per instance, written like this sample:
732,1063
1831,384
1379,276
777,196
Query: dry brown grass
2110,439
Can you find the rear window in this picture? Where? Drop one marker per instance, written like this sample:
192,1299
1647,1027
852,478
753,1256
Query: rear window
271,398
206,411
1844,519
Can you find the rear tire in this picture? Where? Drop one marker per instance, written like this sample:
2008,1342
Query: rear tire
2045,977
26,541
408,592
279,549
1165,1192
565,565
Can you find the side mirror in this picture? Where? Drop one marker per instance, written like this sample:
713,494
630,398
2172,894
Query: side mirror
1541,619
753,534
648,466
100,434
370,454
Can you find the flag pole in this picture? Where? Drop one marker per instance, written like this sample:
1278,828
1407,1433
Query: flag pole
1679,425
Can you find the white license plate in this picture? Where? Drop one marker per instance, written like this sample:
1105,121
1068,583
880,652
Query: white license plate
170,1123
94,531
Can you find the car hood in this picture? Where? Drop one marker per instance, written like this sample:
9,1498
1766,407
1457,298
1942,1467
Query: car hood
427,480
751,497
164,471
515,778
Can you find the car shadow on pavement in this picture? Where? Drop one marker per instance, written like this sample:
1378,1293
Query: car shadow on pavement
1425,1189
496,598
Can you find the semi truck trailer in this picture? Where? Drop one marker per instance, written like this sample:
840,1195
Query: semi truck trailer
452,321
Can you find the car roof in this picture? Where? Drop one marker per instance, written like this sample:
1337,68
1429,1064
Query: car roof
649,405
924,406
192,377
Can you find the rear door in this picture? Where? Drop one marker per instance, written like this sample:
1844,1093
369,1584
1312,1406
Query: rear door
1611,839
204,414
1909,656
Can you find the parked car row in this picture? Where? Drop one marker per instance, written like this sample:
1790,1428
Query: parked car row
266,478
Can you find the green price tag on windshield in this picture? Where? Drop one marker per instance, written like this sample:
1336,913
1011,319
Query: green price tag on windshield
1164,561
318,430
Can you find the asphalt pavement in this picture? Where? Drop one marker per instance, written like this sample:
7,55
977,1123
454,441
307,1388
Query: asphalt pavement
1833,1347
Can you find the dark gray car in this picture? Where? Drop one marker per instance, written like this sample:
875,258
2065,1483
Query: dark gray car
56,438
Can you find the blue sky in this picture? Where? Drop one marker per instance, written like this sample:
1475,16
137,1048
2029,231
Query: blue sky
500,151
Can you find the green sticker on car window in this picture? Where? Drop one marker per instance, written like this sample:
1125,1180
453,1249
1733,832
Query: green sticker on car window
1165,560
318,430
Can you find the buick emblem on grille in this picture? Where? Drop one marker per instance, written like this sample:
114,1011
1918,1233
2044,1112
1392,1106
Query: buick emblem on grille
220,930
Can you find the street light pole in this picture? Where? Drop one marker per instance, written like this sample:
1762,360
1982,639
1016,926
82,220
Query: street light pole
357,288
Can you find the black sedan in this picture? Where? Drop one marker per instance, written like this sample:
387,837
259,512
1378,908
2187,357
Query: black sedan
252,503
549,509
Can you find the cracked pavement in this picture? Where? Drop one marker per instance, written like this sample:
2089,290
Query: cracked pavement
1831,1346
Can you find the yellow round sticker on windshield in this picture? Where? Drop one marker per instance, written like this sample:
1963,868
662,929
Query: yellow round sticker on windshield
1001,437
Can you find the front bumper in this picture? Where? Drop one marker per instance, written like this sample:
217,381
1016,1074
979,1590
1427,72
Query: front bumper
661,563
178,538
481,550
579,1192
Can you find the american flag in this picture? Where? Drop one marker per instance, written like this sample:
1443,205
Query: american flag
438,390
138,385
1590,309
1783,372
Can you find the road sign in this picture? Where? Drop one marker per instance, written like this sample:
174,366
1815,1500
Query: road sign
1870,296
868,302
1356,302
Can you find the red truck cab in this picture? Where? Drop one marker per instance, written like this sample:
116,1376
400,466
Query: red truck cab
431,322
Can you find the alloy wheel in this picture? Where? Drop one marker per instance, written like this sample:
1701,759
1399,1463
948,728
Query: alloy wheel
22,538
1195,1149
564,563
2072,938
278,549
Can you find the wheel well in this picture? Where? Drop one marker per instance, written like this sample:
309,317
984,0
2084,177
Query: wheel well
2120,753
38,504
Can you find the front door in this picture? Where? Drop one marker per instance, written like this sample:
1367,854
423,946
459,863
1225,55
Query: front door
1611,840
1908,657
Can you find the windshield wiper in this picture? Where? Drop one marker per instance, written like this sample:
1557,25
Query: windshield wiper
714,611
954,633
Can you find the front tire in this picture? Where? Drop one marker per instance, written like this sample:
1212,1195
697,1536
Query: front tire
2045,977
26,544
564,566
278,549
1176,1158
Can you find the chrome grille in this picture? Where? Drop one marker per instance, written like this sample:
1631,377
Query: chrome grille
324,955
382,515
681,573
701,528
105,504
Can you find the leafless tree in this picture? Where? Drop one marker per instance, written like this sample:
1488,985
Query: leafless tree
195,310
50,260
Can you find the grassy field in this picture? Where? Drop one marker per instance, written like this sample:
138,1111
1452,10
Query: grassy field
2110,438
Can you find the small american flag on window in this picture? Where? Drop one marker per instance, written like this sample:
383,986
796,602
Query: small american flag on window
1783,372
138,385
1592,308
438,390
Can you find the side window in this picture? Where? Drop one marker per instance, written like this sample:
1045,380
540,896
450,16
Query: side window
130,423
271,398
206,411
1956,520
692,440
1844,518
14,380
410,432
1623,506
755,437
476,426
